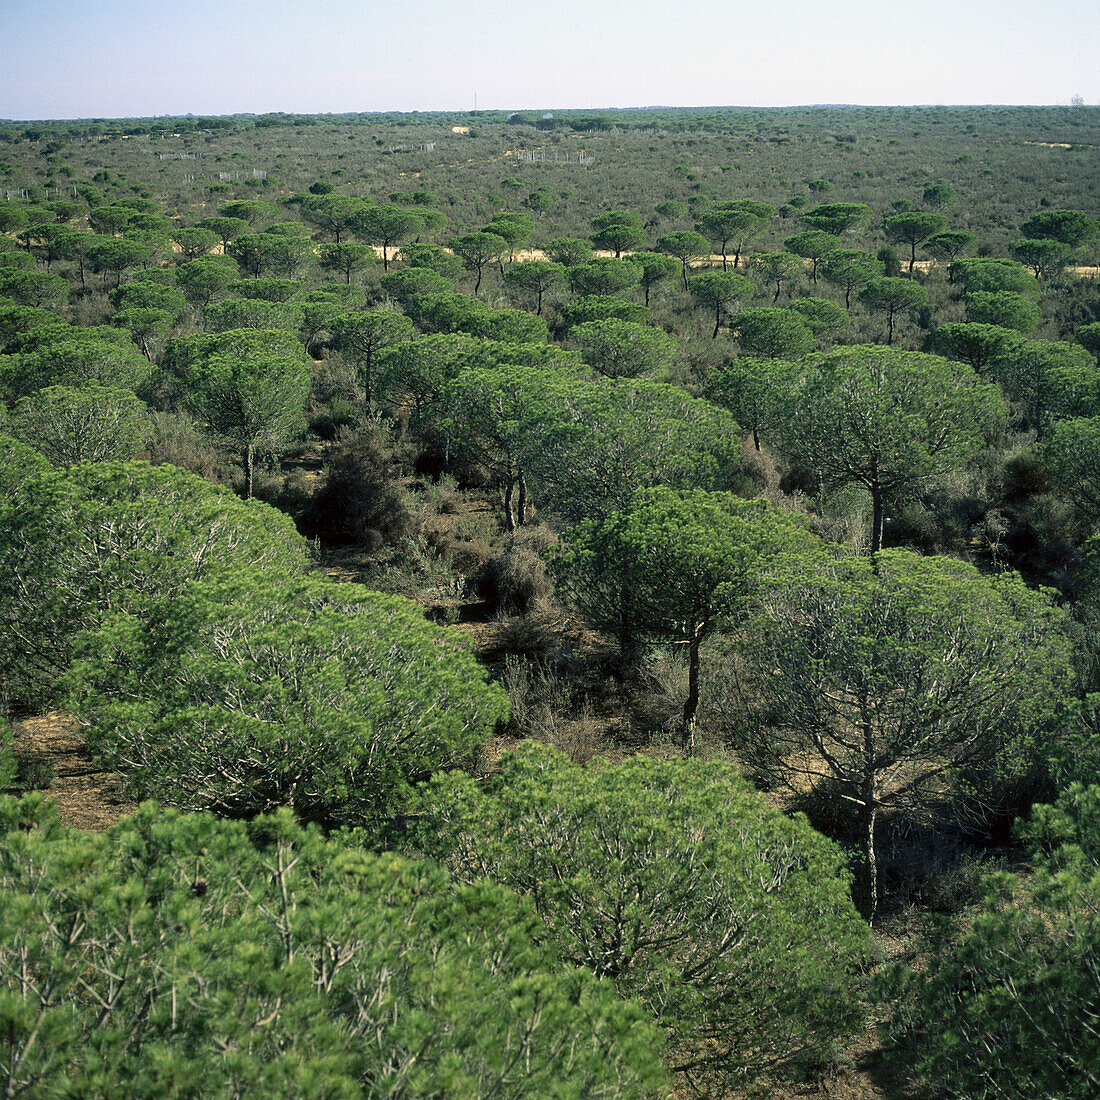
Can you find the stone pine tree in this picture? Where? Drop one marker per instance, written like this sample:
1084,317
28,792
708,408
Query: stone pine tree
730,921
878,678
885,419
250,387
673,566
718,290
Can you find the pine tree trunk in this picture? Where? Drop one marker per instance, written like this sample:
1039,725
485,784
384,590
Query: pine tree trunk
876,516
521,501
867,899
691,705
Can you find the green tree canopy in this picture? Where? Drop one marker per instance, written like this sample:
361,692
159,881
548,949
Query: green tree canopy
881,675
886,419
109,219
253,211
837,218
515,226
206,279
411,373
777,269
510,326
185,955
1072,456
601,307
249,385
1006,1005
568,251
1069,227
686,246
824,318
672,565
194,242
432,257
227,229
718,290
989,273
626,349
347,258
488,413
149,295
334,215
731,922
93,423
1087,335
946,247
773,333
618,231
16,320
939,193
478,249
976,344
409,283
751,388
728,223
540,201
893,296
1044,257
596,443
34,288
814,245
387,226
75,357
361,335
271,253
603,275
912,228
79,544
115,255
1048,381
532,280
251,313
851,269
445,312
260,690
655,267
1004,308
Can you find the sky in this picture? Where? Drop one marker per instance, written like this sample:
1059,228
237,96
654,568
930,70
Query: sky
125,58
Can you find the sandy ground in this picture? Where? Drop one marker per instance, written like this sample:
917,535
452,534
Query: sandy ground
87,796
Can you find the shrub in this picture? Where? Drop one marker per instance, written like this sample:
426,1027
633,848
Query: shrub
514,580
359,503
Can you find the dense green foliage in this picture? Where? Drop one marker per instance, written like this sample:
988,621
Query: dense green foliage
673,565
190,956
885,419
492,388
1008,1007
77,545
257,690
91,424
876,677
732,923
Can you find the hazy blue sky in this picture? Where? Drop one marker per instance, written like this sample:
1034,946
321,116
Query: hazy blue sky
110,58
